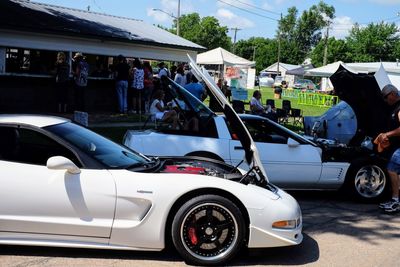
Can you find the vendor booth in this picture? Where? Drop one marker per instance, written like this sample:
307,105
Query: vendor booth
239,72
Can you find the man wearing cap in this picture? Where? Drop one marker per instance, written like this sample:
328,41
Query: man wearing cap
391,139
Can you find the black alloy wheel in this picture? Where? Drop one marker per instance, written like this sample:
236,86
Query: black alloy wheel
208,230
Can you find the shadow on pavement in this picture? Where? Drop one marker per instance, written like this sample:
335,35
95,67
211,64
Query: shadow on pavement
305,253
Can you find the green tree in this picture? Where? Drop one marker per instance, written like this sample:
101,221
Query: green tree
376,42
204,31
337,50
298,36
258,49
396,51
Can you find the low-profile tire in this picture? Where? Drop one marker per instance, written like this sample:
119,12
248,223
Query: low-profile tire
208,230
367,181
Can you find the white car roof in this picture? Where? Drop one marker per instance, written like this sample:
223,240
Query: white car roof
35,120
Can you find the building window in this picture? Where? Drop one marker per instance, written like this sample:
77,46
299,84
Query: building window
20,60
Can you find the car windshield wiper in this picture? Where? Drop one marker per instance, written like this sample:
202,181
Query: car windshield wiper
134,165
153,163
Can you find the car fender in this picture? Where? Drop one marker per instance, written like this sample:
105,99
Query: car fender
144,197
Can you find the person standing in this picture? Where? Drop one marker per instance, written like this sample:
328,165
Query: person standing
137,74
180,77
121,83
227,90
163,71
81,73
196,89
391,139
62,79
148,84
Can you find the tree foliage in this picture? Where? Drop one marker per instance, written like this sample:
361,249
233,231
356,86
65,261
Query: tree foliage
376,42
299,35
204,31
258,49
337,50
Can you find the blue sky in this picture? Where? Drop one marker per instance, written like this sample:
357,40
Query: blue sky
260,21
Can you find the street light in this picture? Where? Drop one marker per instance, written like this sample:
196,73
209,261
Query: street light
172,15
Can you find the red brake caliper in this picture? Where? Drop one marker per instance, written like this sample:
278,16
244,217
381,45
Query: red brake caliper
192,235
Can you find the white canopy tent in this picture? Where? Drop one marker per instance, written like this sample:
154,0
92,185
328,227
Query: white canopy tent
392,69
220,56
224,58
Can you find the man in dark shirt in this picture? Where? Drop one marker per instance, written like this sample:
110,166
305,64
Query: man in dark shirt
391,139
121,83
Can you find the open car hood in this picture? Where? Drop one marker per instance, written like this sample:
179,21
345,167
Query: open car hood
251,153
362,93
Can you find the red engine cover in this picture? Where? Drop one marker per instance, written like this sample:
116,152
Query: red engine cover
184,169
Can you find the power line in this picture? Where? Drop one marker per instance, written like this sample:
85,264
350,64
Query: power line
253,6
95,3
248,11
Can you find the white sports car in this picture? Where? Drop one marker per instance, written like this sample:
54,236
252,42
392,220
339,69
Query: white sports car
63,185
291,161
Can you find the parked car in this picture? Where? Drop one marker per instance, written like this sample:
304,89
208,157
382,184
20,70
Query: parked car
278,81
304,84
265,79
64,185
290,160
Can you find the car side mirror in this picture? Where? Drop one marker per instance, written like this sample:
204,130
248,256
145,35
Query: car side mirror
292,143
62,163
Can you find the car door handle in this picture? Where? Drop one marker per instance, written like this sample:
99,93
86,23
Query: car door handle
238,148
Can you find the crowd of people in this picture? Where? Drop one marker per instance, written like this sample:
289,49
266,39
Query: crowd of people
135,82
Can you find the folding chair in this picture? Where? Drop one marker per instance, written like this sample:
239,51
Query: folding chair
151,119
270,102
238,106
297,116
282,115
286,105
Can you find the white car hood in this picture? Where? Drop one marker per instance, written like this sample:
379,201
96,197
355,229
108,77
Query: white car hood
251,152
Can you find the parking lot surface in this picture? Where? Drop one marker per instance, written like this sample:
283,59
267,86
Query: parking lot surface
337,232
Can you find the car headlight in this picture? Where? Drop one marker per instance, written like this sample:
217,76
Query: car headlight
288,224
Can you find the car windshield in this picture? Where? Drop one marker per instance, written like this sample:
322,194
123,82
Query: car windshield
186,101
98,147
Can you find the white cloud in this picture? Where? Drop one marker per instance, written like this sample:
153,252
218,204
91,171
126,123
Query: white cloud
228,18
170,7
341,26
267,6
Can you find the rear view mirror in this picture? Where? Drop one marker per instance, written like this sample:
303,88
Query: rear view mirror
292,143
62,163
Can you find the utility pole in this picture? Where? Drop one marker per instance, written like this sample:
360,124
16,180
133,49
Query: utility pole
177,17
234,37
326,44
279,46
254,53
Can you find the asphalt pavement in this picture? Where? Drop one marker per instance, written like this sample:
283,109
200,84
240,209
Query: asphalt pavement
337,232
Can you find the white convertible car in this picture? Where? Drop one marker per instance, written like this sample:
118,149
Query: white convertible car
290,160
63,185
